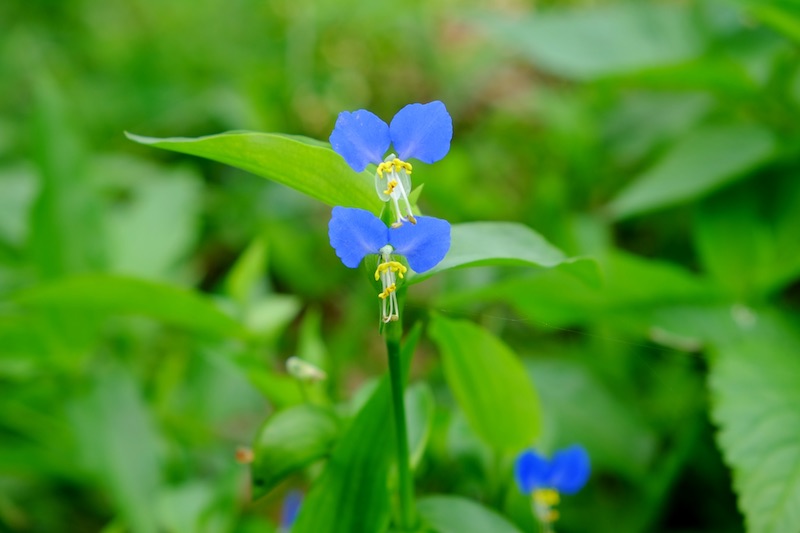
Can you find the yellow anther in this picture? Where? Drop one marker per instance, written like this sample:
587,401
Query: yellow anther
392,266
395,164
389,290
398,164
391,186
547,497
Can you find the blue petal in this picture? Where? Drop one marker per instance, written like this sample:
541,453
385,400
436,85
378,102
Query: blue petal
360,137
290,508
422,131
531,471
423,244
355,233
569,469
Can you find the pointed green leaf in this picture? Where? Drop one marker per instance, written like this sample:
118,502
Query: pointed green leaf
352,493
489,383
290,440
701,162
306,165
453,514
507,243
128,296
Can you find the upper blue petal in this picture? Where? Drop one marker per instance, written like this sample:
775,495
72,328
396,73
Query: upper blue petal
569,469
423,244
422,131
355,233
531,471
360,137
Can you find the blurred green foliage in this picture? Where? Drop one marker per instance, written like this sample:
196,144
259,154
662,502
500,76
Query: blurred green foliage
148,299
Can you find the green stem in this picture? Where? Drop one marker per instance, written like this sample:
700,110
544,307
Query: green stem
407,518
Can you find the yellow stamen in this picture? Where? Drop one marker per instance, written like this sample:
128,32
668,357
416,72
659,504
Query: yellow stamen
389,290
548,497
395,164
390,187
392,266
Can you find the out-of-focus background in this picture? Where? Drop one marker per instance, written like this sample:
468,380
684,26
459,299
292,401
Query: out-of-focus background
659,137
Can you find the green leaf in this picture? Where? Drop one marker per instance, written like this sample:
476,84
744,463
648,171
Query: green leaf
754,382
67,235
507,243
352,494
117,441
764,217
453,514
606,40
107,294
290,440
704,160
155,227
242,282
783,15
419,414
306,165
489,383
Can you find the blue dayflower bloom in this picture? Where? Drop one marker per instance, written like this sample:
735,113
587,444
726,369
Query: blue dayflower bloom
290,508
356,233
418,131
566,472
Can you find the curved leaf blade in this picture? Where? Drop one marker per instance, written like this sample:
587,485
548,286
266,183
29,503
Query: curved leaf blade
489,383
507,243
306,165
453,514
129,296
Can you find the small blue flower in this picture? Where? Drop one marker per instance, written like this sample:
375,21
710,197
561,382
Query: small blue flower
418,131
566,472
356,233
290,509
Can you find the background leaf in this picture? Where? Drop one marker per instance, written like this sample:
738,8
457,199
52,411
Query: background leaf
289,440
128,296
702,161
754,382
605,40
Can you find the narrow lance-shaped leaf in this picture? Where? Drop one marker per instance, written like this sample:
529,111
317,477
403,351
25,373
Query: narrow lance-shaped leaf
489,383
453,514
306,165
352,493
127,296
507,243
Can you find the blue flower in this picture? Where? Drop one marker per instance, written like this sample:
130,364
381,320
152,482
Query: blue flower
356,233
290,509
418,131
566,472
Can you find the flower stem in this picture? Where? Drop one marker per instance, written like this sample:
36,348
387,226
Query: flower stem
407,518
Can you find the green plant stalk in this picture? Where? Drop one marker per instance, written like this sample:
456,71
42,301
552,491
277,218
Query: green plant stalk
407,519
